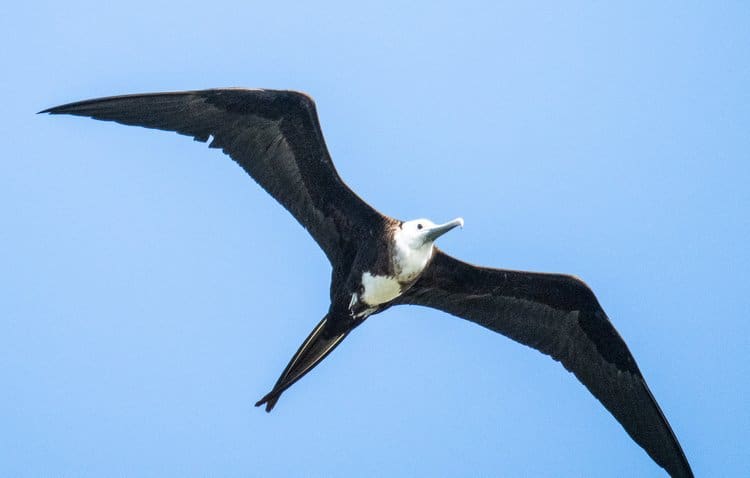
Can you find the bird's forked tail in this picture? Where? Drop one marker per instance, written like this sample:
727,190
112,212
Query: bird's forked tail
321,342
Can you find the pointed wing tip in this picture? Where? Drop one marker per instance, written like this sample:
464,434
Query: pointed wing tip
60,110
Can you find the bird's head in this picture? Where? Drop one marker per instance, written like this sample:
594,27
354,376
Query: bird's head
419,233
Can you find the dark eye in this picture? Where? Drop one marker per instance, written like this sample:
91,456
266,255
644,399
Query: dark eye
419,226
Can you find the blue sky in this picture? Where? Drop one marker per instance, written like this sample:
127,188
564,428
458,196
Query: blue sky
151,292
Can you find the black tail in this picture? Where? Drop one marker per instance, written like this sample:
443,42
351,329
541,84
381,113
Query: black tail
321,341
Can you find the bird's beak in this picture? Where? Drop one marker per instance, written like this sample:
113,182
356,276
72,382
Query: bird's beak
437,231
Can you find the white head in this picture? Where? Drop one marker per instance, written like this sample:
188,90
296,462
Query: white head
420,233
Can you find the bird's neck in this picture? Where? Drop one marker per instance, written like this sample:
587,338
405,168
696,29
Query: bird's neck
409,261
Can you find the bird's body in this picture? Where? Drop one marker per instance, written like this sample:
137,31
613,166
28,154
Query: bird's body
396,263
379,262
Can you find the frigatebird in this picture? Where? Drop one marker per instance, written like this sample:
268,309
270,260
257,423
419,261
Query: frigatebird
378,261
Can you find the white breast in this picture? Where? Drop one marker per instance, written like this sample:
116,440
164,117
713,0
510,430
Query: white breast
379,289
408,263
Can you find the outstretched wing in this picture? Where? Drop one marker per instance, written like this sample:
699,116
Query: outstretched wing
559,316
274,135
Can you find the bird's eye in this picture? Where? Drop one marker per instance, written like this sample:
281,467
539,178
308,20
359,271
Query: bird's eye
419,226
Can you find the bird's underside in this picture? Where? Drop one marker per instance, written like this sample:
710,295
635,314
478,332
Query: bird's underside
276,138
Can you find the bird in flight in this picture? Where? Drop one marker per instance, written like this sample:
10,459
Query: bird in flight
378,261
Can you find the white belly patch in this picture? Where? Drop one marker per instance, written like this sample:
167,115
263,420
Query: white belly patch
379,289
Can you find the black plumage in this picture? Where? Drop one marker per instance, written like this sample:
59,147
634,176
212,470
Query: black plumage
276,137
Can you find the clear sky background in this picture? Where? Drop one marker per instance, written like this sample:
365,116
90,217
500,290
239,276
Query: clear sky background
150,292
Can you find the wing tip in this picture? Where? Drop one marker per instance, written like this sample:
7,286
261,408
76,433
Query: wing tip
682,466
68,108
53,110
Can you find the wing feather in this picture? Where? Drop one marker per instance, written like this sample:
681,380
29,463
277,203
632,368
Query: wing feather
274,135
559,316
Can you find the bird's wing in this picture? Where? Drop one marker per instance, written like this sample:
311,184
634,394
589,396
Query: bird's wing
274,135
559,316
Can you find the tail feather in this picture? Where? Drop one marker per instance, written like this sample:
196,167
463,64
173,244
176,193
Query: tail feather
313,350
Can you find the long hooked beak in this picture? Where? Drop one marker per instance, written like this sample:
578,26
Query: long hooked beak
437,231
